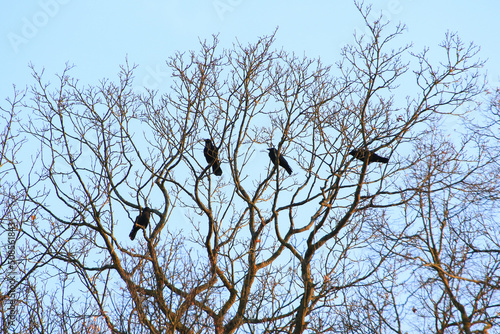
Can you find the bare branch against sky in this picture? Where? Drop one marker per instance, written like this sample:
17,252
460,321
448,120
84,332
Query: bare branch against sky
245,185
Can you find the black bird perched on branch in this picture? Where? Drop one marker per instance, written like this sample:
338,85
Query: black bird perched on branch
141,221
282,162
372,156
212,156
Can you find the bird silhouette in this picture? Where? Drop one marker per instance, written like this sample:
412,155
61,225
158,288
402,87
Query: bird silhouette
212,155
273,154
141,221
361,154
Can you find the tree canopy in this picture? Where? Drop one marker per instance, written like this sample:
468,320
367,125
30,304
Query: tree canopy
347,243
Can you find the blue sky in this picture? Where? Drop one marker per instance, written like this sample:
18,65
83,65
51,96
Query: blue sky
96,36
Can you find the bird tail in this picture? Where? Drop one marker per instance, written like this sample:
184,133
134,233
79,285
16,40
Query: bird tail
288,169
382,160
133,233
216,168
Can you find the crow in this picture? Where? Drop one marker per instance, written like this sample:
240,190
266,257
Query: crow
372,157
141,221
211,154
282,162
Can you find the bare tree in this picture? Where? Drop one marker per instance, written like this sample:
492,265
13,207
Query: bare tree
343,245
